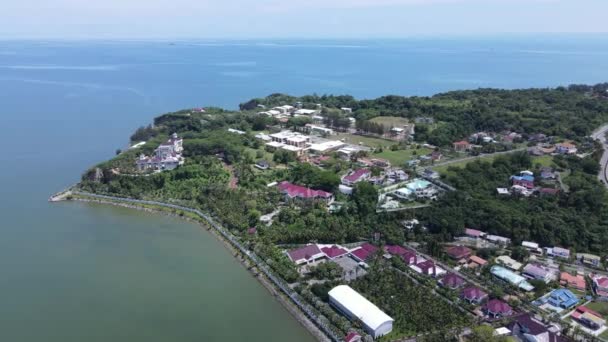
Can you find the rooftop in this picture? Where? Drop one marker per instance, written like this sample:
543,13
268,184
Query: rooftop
304,253
361,308
293,190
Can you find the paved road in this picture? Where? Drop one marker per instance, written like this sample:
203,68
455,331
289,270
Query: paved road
600,135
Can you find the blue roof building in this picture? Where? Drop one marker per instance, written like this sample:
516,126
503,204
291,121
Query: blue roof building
561,298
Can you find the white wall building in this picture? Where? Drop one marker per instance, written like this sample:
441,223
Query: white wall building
356,307
167,156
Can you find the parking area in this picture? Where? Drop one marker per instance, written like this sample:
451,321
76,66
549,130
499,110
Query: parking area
352,270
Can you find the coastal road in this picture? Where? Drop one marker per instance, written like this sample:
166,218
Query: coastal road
600,135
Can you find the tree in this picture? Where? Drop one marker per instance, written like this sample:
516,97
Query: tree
365,197
485,333
519,253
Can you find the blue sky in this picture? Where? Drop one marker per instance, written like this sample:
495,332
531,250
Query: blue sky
296,18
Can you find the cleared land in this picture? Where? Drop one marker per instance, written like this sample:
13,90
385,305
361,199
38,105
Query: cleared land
398,158
390,121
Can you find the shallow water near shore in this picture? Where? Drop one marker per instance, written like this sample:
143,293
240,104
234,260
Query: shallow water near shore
86,272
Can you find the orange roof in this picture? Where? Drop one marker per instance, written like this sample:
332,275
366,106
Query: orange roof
577,281
462,142
567,144
477,260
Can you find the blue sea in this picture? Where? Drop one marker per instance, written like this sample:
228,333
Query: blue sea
75,272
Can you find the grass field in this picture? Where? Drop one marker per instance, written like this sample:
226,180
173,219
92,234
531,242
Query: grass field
366,141
390,121
599,307
400,157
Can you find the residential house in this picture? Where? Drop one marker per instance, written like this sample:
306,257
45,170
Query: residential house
589,259
527,329
381,163
509,262
566,148
364,252
534,271
588,318
539,137
451,281
524,180
352,337
436,156
407,255
462,146
474,233
474,295
426,267
558,252
334,251
397,175
547,173
496,308
572,281
305,255
356,177
533,247
430,174
475,261
458,252
167,156
297,192
499,240
600,286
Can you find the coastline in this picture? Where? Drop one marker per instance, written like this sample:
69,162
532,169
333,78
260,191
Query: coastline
245,262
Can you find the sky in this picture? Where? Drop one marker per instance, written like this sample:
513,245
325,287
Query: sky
243,19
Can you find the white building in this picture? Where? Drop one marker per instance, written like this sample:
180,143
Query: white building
357,308
167,156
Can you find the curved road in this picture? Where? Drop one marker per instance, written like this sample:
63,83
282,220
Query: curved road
600,135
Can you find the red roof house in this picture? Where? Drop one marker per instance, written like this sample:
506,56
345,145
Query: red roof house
292,191
496,308
305,254
458,252
462,146
408,256
474,233
352,337
588,317
357,176
474,295
364,252
574,282
334,251
451,281
426,267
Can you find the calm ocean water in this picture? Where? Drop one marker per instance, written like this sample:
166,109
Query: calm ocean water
75,272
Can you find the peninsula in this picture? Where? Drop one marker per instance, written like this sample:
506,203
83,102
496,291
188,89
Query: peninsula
473,214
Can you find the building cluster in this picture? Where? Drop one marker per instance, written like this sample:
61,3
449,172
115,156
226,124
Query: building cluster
564,148
309,144
167,156
526,184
